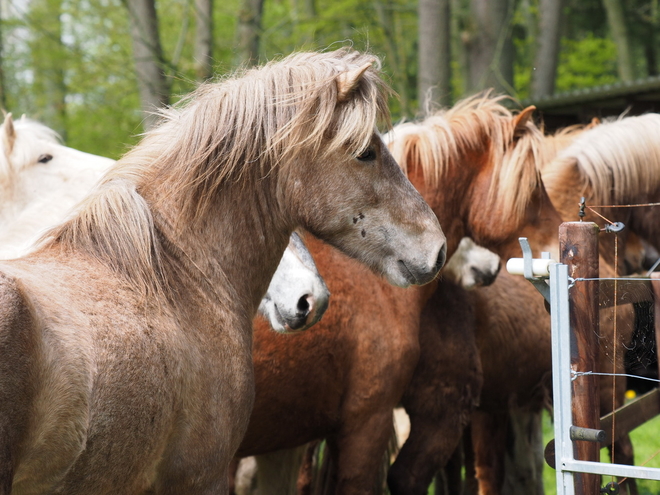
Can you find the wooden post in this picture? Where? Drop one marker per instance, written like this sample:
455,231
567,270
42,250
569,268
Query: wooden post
655,285
578,247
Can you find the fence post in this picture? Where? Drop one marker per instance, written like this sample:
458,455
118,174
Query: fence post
578,247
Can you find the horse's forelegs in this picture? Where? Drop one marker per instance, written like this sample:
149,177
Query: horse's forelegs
361,450
427,449
489,433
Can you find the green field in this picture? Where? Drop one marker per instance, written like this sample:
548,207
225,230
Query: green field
646,441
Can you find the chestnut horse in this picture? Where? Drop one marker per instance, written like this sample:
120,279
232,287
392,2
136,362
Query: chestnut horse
278,472
609,164
42,180
342,378
127,335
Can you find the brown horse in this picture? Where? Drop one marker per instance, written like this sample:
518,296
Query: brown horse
341,379
126,338
506,428
445,392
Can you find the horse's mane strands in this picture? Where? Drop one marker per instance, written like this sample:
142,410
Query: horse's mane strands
114,225
616,160
435,142
242,128
246,126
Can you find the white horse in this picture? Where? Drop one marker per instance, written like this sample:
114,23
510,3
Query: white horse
41,181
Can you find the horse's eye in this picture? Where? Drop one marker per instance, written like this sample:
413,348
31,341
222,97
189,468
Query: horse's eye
367,155
45,158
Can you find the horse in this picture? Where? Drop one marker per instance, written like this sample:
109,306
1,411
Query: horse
341,384
127,334
297,295
516,385
616,162
472,266
440,403
42,181
278,472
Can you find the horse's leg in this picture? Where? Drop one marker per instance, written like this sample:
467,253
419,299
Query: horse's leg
471,482
612,391
442,393
277,472
622,450
305,483
489,436
453,470
361,449
524,460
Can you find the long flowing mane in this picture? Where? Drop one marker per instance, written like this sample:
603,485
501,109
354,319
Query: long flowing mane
239,129
616,160
440,139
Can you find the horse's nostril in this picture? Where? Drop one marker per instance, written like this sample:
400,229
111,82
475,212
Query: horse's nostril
303,306
442,256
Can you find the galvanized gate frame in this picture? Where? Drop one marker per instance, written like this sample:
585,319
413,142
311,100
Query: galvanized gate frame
557,295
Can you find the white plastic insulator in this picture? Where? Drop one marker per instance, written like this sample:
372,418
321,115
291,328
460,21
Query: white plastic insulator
540,267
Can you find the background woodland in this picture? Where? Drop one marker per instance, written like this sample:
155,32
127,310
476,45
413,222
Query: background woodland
92,69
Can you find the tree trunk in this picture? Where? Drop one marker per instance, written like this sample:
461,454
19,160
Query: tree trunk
249,32
434,72
617,21
148,56
204,39
547,52
3,90
49,61
491,50
394,55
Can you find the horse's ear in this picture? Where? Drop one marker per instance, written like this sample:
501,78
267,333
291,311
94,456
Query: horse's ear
349,80
521,120
9,134
594,122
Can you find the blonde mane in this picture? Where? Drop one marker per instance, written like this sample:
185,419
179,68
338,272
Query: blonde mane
440,140
616,160
240,129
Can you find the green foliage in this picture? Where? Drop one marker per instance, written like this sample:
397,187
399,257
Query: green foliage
585,63
69,62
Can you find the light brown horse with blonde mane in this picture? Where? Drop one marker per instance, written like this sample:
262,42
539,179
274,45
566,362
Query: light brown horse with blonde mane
341,379
126,338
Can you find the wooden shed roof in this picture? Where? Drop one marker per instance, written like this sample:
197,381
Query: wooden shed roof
580,106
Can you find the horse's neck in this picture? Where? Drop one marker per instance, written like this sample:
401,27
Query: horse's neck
541,228
230,256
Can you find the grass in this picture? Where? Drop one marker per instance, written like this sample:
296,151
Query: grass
646,441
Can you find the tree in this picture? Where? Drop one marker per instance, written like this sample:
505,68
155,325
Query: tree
3,90
434,69
491,50
148,56
547,52
204,39
249,32
617,21
49,60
